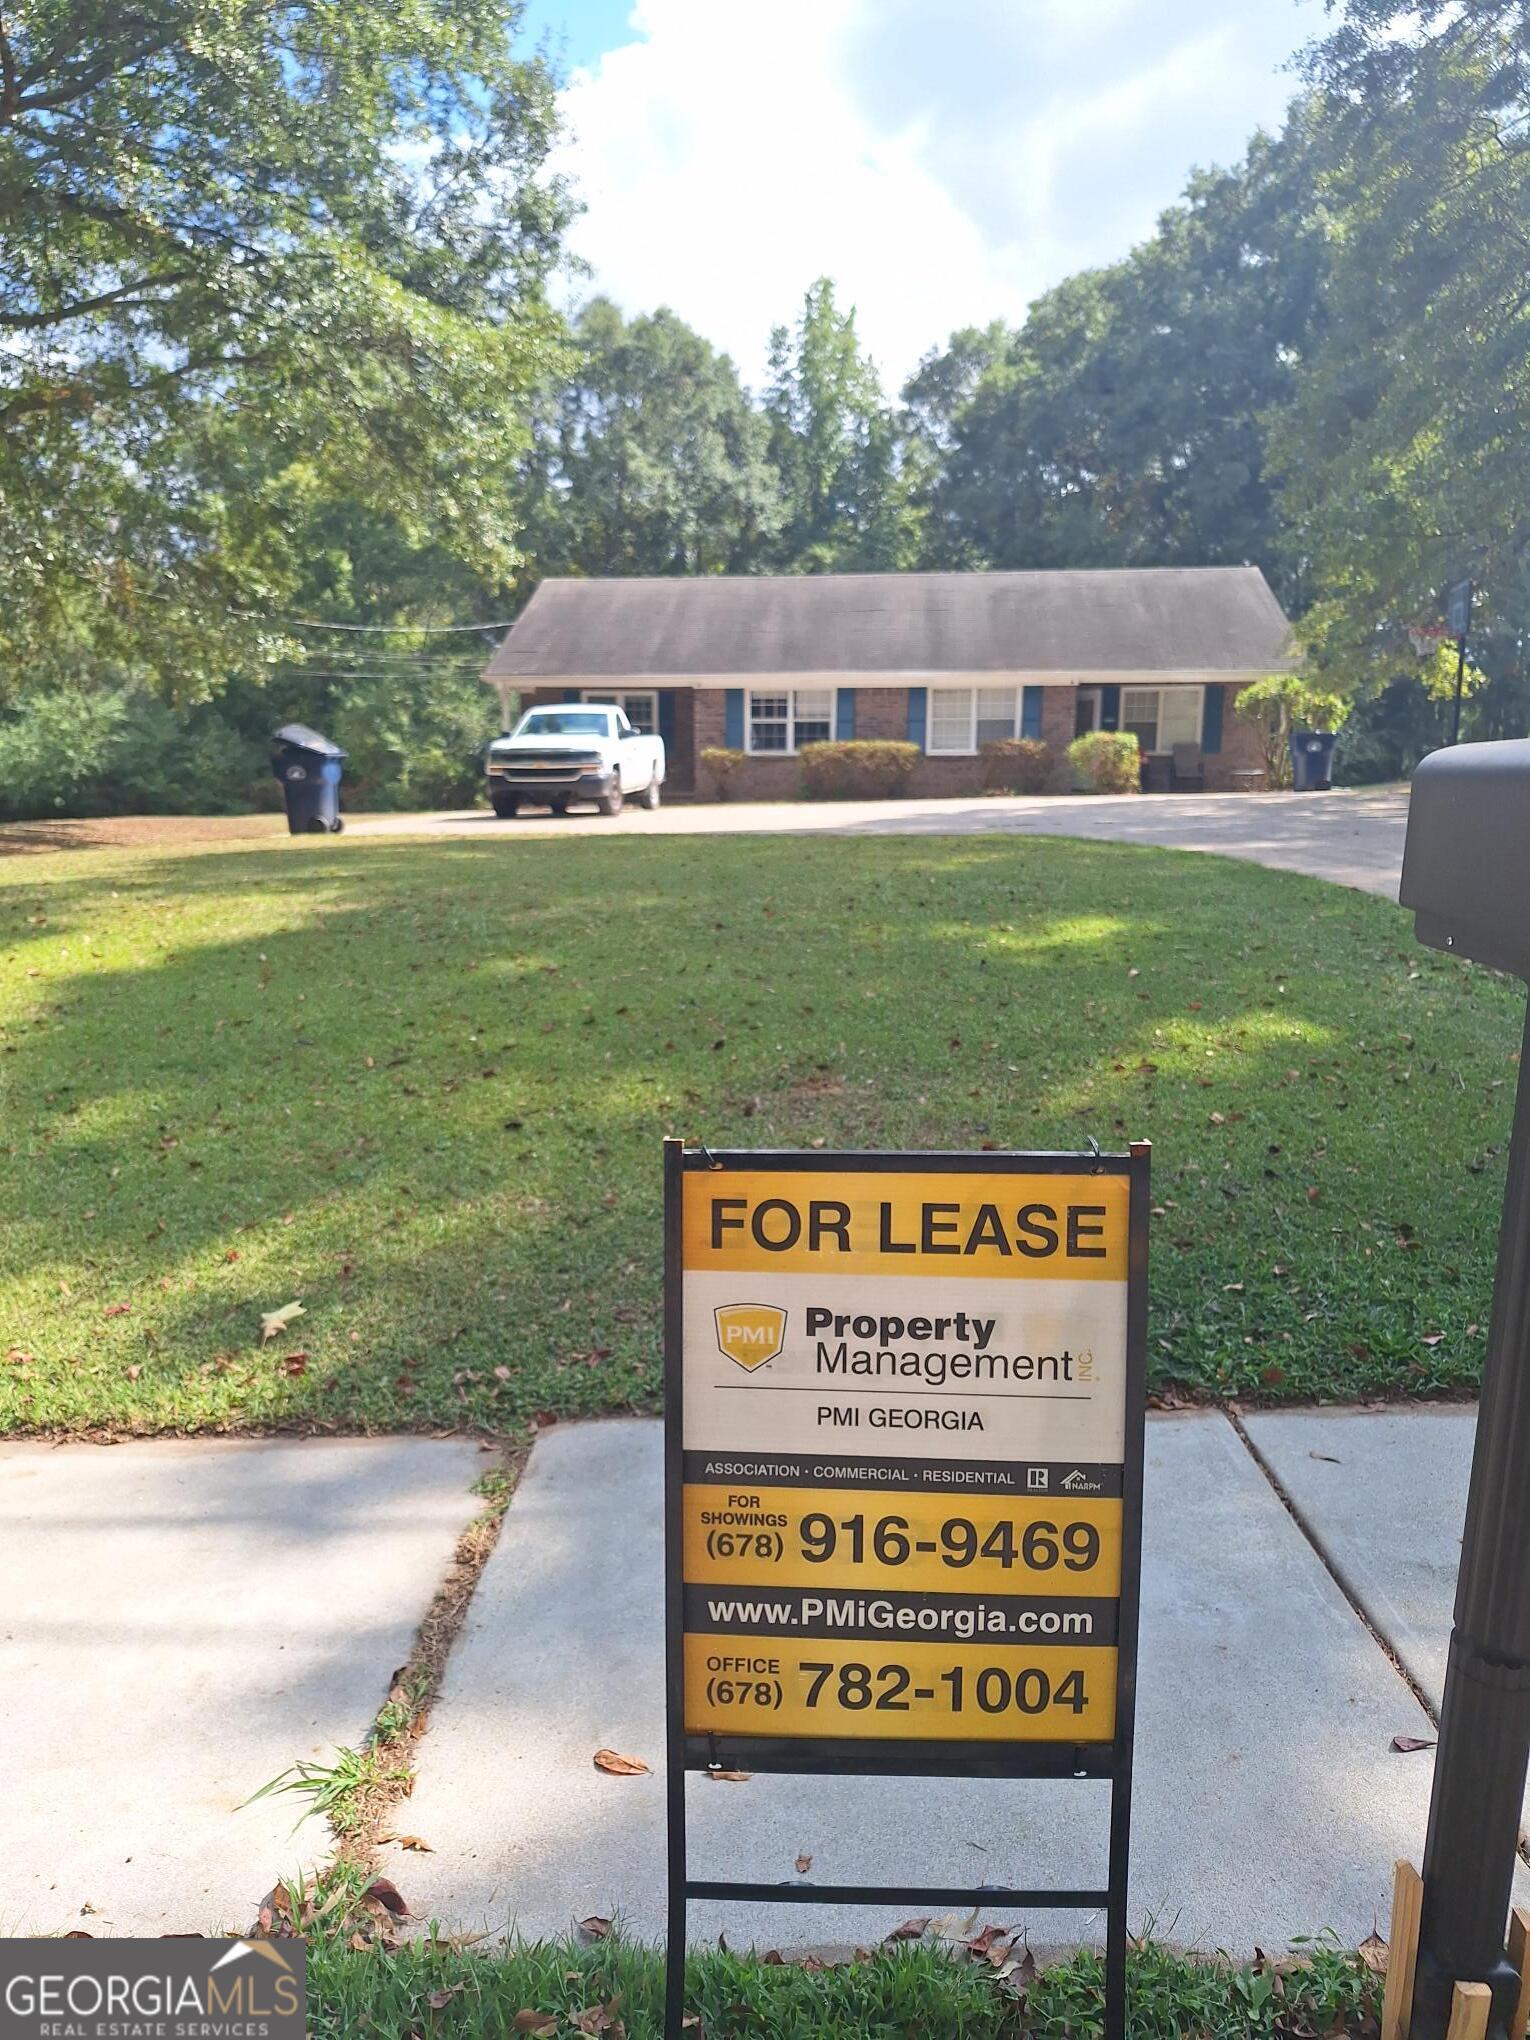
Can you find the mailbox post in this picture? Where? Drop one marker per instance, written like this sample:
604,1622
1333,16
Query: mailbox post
1466,877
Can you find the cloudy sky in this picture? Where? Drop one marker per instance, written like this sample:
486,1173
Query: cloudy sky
942,160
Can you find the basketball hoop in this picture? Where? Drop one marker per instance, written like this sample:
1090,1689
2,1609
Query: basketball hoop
1426,638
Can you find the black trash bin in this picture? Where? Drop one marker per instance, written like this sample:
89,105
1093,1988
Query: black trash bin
309,767
1311,760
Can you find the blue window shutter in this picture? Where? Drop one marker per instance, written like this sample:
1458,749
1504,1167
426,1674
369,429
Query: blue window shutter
1110,708
733,718
844,714
1211,726
667,718
918,710
1030,712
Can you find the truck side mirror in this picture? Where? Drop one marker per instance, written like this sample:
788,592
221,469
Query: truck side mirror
1466,857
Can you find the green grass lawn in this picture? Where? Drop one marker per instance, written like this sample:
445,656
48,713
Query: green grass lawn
917,1993
420,1087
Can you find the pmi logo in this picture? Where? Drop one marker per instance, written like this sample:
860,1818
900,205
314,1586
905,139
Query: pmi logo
750,1334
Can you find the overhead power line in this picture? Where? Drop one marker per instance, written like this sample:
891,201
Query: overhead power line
373,629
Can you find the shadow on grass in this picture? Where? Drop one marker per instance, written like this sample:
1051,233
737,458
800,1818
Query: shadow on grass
423,1095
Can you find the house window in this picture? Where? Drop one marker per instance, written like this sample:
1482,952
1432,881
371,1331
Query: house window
640,706
788,721
963,719
1161,717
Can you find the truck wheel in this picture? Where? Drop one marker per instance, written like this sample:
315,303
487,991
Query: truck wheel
651,794
560,805
611,803
504,806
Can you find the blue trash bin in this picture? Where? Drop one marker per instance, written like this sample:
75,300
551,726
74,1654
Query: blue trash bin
1312,760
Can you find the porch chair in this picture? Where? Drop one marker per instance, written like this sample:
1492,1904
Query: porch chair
1188,770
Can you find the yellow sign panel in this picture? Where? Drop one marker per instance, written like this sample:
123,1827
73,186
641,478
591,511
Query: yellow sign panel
974,1544
766,1686
980,1227
903,1453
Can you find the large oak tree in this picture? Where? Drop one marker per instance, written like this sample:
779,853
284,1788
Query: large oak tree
324,224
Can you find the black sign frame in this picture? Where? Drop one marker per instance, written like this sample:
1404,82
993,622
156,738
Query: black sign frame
825,1756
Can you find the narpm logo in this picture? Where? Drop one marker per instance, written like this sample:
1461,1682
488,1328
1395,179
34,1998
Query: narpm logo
749,1334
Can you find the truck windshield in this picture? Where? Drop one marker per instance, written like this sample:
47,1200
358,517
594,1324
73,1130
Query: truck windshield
564,722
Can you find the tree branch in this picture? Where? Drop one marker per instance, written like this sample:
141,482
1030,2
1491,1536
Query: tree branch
58,396
122,298
85,81
7,74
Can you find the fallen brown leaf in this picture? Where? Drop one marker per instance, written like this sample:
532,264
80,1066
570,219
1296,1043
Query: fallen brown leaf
982,1942
598,2019
731,1777
910,1930
1373,1953
619,1766
438,2000
804,1864
535,2022
385,1893
274,1321
1405,1745
596,1927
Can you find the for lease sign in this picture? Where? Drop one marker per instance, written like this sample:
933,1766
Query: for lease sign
903,1402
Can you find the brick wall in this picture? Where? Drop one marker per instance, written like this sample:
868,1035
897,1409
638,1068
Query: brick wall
882,712
1241,748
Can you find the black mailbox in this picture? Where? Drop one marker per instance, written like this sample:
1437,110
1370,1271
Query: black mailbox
1466,858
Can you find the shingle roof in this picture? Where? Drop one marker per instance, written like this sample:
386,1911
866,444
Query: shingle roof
1128,620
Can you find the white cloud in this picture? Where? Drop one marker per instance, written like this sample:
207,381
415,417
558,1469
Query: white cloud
942,164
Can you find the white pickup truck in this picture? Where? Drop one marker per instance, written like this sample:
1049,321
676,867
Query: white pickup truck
577,750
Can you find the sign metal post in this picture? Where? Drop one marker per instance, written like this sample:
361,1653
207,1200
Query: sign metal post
904,1419
1464,864
1458,622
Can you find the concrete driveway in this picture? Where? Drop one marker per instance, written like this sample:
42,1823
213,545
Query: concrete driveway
1352,836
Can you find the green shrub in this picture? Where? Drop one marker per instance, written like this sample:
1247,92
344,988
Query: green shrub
720,765
1018,765
1106,761
114,749
1281,703
862,769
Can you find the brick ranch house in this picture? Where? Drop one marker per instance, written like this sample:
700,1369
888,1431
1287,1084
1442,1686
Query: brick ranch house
770,663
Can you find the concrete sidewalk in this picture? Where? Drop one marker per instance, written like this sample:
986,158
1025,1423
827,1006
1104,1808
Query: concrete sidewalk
182,1621
1352,836
1269,1801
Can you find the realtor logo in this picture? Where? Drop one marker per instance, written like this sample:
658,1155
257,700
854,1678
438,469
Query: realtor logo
749,1334
1036,1478
177,1989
